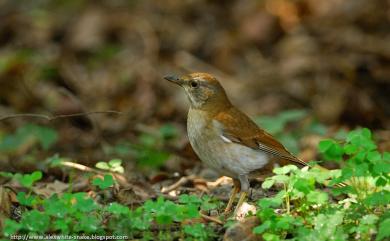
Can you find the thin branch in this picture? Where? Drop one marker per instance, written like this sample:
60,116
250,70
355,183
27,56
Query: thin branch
209,218
118,177
51,118
81,167
182,181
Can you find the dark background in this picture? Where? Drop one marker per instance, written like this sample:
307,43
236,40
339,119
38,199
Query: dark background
331,58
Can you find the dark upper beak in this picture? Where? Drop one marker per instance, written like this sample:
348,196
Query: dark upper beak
174,79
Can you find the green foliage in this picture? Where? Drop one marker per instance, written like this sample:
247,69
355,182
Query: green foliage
205,202
104,183
71,213
27,199
363,164
278,126
307,213
198,232
114,165
148,149
29,133
77,213
26,180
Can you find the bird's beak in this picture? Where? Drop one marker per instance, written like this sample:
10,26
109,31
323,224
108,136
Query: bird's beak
174,79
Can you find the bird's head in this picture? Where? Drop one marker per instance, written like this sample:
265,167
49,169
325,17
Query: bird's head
203,90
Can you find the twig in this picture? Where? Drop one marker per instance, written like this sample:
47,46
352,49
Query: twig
118,177
212,219
51,118
80,167
219,181
182,181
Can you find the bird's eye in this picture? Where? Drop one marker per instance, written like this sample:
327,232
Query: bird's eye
194,84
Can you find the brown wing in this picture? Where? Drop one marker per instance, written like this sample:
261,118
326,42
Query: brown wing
239,128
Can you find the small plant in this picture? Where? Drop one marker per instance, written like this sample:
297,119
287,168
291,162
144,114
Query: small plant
77,213
307,213
29,134
27,181
278,126
114,165
365,169
104,183
148,150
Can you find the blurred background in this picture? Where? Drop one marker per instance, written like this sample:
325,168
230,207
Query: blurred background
328,59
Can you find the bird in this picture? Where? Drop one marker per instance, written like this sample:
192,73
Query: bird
226,139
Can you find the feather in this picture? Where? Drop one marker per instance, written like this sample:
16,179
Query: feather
234,126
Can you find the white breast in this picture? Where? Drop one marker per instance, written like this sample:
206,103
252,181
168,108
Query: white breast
220,153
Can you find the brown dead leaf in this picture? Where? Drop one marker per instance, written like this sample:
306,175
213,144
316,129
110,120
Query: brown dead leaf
5,204
242,231
48,189
135,193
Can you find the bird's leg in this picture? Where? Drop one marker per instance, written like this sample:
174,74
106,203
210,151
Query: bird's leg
244,192
236,189
240,202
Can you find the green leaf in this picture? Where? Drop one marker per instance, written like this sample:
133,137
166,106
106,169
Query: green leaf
374,156
268,183
11,227
168,131
290,141
304,186
285,169
262,227
62,225
151,157
164,218
383,230
26,200
270,237
104,183
369,219
35,176
189,199
386,156
381,182
285,222
317,197
269,202
327,227
192,211
27,180
55,207
272,125
88,224
317,128
361,170
102,165
362,138
293,115
83,203
381,167
350,149
36,221
324,145
46,136
115,162
378,198
6,174
331,150
197,230
116,208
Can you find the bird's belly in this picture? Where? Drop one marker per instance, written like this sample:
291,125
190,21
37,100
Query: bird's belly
229,159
